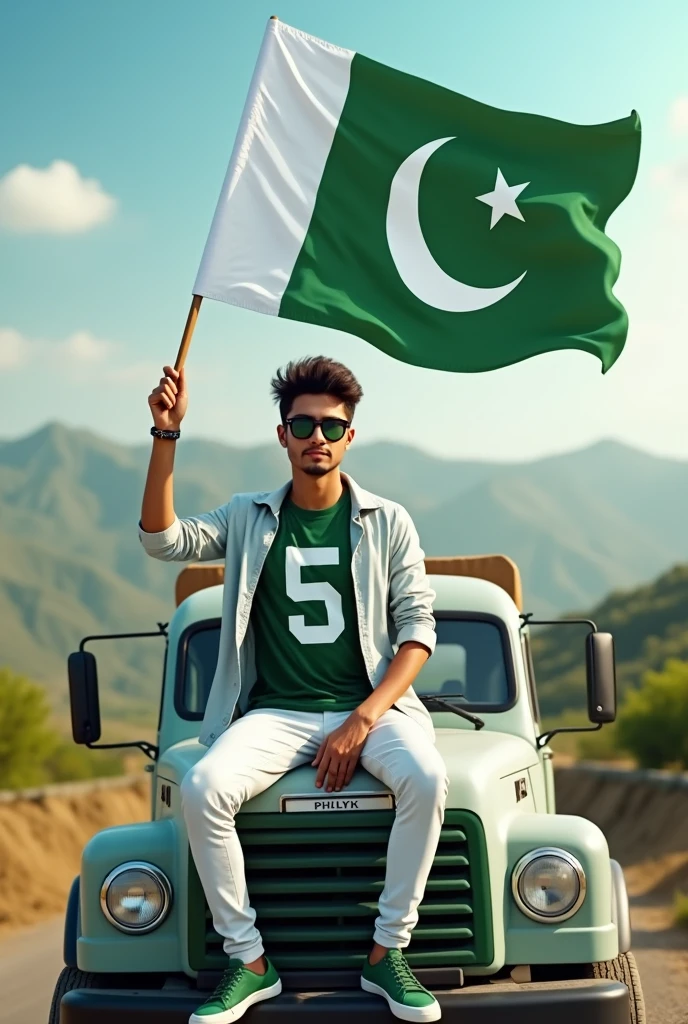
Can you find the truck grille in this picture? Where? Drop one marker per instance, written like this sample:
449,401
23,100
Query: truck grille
314,881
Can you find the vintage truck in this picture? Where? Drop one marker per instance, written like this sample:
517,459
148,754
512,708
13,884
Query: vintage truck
525,916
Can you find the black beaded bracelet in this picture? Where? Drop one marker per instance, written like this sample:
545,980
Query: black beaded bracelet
166,435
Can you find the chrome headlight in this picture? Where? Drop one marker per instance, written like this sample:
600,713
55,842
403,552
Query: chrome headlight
136,897
548,885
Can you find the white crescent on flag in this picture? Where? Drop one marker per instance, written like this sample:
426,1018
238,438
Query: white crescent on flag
415,263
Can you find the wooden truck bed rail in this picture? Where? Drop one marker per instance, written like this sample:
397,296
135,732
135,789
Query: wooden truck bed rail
497,569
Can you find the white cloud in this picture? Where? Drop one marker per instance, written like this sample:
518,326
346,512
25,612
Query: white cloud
79,351
83,347
672,179
678,116
54,200
13,348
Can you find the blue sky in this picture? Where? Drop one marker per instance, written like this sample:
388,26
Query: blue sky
145,98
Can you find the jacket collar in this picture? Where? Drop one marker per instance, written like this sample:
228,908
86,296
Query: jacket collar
361,500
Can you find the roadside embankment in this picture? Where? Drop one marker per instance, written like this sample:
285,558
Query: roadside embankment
42,834
644,815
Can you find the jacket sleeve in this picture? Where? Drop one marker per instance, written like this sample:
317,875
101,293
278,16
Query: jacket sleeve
410,594
196,539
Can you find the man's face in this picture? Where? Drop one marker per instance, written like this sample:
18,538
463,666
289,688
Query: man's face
315,455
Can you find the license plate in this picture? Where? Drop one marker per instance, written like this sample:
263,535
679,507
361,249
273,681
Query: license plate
337,802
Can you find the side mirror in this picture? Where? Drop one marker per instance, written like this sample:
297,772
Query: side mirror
83,697
601,673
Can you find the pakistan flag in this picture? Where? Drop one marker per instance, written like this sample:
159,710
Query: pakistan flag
445,232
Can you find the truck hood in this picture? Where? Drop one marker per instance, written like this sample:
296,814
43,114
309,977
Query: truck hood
475,761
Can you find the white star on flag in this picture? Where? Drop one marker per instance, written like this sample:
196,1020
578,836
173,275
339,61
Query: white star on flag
503,199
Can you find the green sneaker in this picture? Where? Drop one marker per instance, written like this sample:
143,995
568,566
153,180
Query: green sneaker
238,989
393,979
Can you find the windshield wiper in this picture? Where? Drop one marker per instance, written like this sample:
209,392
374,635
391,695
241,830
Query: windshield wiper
434,703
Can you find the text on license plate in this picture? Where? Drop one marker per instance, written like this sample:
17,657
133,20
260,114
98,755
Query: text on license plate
337,802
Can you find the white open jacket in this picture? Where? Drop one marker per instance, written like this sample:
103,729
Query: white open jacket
393,596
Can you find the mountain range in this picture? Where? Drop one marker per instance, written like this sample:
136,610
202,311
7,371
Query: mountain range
579,525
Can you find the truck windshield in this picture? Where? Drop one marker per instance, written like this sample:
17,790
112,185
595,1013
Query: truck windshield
470,663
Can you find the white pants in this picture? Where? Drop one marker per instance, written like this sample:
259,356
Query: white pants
253,754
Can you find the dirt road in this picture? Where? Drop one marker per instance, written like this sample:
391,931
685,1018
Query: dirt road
660,949
31,960
663,963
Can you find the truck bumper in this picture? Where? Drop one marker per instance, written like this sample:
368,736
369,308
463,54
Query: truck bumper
595,1002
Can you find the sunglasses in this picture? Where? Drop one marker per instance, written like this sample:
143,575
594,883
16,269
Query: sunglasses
303,427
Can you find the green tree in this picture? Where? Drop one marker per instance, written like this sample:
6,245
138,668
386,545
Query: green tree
32,753
653,722
26,739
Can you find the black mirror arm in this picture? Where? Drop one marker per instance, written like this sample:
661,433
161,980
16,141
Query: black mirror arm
543,740
528,620
149,749
593,635
432,703
160,631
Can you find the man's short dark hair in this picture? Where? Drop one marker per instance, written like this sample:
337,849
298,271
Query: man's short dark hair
315,375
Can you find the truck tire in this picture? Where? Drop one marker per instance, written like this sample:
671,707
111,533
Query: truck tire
624,969
70,978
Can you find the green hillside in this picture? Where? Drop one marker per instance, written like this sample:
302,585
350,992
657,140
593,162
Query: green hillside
49,601
579,525
649,623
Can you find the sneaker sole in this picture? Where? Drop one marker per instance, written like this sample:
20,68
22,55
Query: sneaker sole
419,1013
227,1016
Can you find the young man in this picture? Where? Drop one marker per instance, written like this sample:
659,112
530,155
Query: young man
322,582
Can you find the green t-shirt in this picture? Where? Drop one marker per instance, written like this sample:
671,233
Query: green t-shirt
308,650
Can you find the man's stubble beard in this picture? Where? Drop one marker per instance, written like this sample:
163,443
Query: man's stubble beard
314,470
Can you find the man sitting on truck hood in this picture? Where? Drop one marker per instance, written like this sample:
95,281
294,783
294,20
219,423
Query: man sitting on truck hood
327,620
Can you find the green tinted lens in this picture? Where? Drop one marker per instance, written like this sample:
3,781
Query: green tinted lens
333,430
302,427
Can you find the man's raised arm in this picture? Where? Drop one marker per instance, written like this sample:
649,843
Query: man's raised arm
162,534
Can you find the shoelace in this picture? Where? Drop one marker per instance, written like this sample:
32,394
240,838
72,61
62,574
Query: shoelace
403,973
228,981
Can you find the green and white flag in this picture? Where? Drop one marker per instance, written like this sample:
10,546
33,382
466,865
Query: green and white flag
445,232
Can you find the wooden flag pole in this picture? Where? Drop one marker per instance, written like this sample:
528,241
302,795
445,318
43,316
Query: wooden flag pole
193,312
188,331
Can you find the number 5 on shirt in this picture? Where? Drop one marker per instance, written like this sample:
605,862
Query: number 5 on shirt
298,591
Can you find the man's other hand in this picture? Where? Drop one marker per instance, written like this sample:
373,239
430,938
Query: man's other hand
339,753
